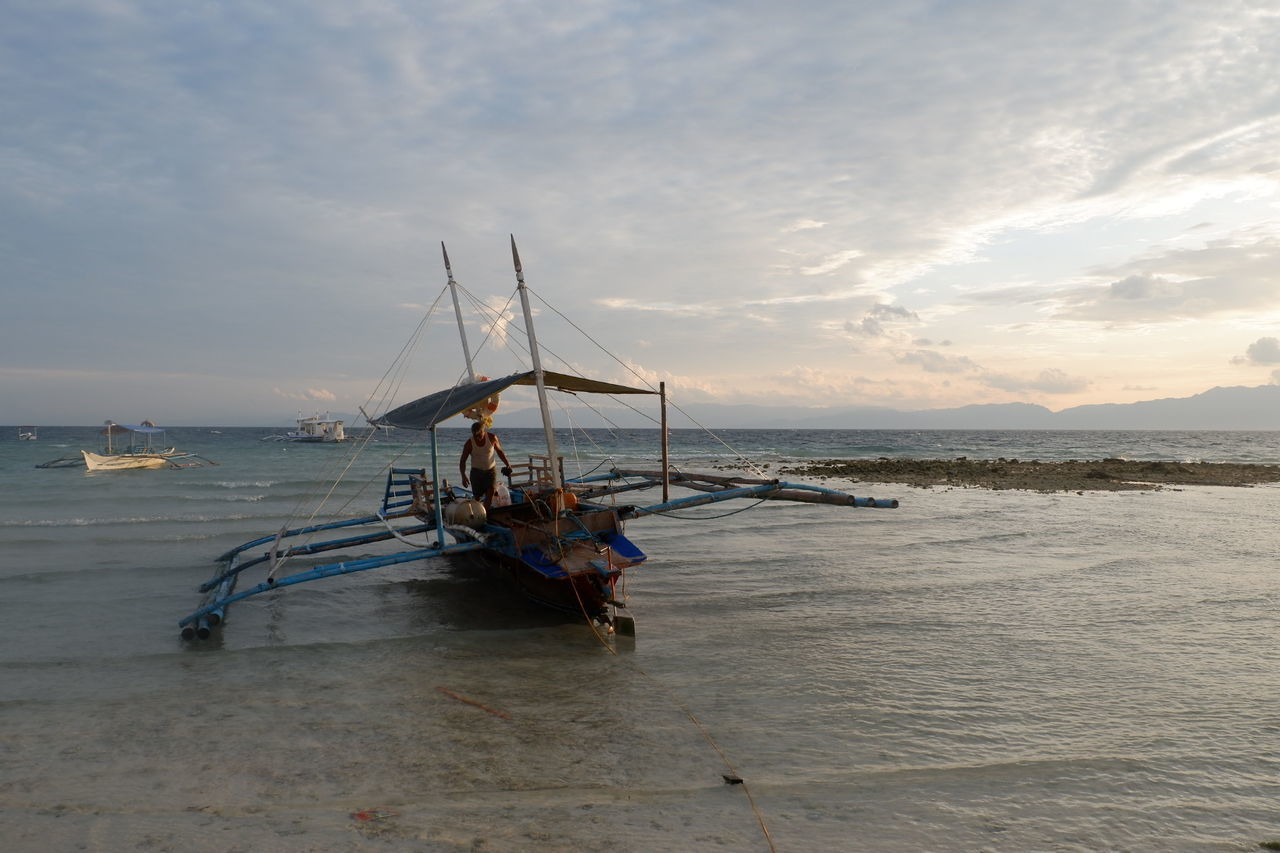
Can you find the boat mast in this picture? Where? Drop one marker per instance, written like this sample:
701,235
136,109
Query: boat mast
538,376
457,312
666,446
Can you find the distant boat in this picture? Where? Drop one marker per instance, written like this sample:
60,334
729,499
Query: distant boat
313,430
26,433
140,446
63,462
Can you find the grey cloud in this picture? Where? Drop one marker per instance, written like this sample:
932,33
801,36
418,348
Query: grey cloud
933,362
1218,278
1264,351
873,323
1050,381
1143,287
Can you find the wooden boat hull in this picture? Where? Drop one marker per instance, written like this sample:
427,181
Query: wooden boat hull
583,592
577,575
124,461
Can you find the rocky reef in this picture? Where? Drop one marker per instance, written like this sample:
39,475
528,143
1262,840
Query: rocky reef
1071,475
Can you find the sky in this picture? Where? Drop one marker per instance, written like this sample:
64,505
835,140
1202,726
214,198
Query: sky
226,213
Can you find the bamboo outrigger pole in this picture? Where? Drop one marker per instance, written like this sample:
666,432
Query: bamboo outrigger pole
539,377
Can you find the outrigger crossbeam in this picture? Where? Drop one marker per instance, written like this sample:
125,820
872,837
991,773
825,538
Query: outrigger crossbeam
326,571
718,489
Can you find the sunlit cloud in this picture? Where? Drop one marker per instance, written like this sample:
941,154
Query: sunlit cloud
803,225
833,262
321,395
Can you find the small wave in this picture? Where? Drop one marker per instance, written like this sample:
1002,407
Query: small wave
1253,599
243,484
224,498
141,519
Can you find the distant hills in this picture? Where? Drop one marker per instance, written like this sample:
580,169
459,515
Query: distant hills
1233,408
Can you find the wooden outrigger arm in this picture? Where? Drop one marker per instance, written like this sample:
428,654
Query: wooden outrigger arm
330,570
721,489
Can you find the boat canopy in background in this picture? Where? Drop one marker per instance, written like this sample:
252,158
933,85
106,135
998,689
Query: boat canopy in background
426,412
120,429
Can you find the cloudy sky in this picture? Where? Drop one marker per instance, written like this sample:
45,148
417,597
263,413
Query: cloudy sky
223,213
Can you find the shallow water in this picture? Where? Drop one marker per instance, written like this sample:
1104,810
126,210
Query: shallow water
975,670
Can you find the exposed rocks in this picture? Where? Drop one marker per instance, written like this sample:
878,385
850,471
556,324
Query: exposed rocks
1073,475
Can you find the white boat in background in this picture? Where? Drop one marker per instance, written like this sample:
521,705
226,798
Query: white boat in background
124,461
27,433
314,430
138,447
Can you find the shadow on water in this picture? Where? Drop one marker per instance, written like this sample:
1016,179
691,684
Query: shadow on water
475,594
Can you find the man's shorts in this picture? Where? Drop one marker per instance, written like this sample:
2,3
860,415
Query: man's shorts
483,481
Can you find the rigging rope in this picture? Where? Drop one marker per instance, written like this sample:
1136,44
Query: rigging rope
746,789
709,517
392,379
675,700
637,375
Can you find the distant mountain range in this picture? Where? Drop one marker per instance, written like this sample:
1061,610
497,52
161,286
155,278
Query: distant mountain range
1234,408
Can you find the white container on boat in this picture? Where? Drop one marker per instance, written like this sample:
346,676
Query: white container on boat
468,513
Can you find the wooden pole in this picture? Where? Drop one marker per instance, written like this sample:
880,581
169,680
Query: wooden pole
457,312
538,375
666,450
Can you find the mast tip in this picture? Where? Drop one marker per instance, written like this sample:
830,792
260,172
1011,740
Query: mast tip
515,254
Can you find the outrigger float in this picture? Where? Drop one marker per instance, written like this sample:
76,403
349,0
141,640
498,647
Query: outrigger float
560,540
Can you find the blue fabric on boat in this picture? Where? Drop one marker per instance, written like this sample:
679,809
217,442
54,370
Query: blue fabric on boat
624,547
540,562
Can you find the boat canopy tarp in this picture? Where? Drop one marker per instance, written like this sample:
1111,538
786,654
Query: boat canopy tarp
426,412
118,429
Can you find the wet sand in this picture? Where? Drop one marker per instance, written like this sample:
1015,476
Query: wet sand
1072,475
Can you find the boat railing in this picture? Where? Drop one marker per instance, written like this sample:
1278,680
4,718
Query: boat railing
405,488
535,472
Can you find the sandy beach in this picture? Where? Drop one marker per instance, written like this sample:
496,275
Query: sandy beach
1071,475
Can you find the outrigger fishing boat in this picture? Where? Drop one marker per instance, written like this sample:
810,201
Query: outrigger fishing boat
560,539
141,446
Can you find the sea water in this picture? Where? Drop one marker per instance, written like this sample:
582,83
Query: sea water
973,671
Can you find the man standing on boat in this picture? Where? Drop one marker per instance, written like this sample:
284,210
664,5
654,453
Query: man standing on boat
482,447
